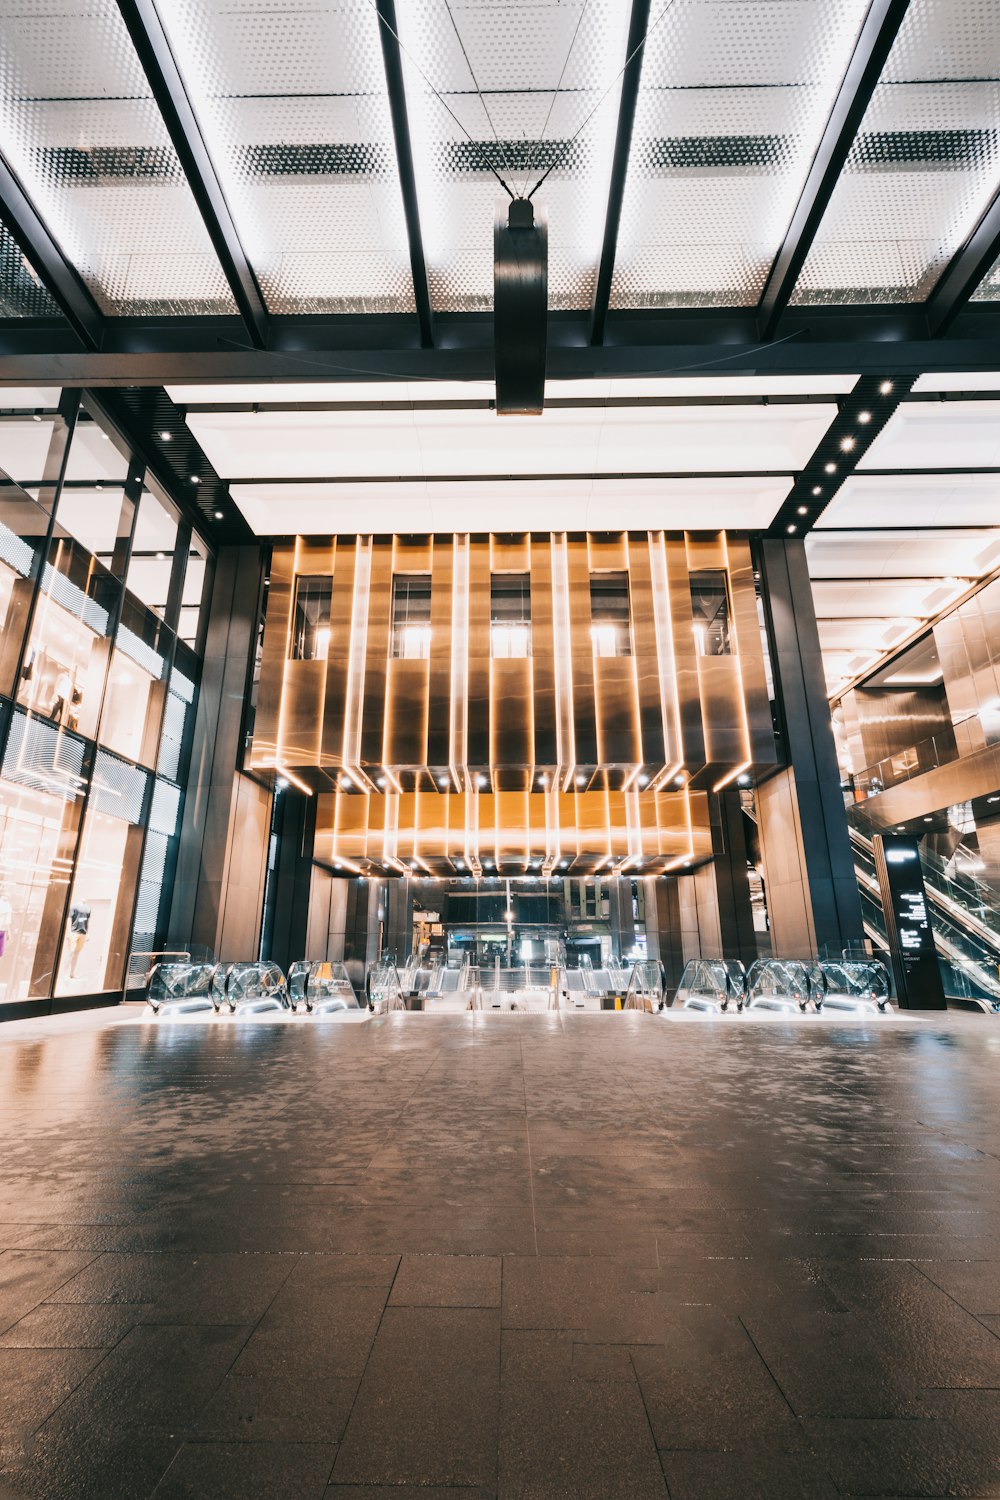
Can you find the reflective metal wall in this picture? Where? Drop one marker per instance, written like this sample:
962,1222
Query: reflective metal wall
445,729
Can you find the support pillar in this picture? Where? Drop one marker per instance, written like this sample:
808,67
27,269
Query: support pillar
812,892
222,859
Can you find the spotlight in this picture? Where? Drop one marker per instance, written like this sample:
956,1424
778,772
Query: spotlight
885,389
803,510
791,528
847,444
830,468
864,417
195,479
678,780
165,437
218,515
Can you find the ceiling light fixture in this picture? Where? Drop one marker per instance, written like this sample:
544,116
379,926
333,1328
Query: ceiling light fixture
803,510
165,437
791,528
218,515
847,444
885,389
830,468
864,417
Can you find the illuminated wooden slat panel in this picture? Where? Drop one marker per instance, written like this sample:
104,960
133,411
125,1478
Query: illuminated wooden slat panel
685,655
341,616
439,673
479,652
377,655
543,665
648,666
581,645
747,623
273,657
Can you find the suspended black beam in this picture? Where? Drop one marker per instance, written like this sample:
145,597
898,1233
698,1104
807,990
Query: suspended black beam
635,51
393,63
878,33
674,341
965,271
58,276
150,42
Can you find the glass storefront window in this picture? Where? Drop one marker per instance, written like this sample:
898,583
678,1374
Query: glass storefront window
194,596
154,543
510,615
42,781
102,895
178,715
23,528
611,628
136,686
62,676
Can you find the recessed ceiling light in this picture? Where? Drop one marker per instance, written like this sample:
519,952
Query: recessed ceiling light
803,510
791,528
817,489
581,781
678,781
381,782
744,780
928,820
885,389
195,479
218,515
864,417
165,437
830,468
847,444
643,780
36,417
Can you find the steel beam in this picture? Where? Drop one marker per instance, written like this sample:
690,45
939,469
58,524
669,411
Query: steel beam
635,52
889,343
393,63
60,278
874,44
965,271
151,44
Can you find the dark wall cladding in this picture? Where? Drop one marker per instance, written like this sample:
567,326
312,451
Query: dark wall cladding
97,709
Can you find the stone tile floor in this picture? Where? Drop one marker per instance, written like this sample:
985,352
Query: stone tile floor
518,1257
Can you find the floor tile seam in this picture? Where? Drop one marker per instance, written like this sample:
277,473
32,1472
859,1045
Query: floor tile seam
43,1300
108,1351
531,1170
976,1317
649,1424
777,1383
364,1369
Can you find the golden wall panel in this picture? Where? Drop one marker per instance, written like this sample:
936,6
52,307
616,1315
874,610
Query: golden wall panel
558,759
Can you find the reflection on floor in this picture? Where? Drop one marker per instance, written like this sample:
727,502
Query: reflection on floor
515,1257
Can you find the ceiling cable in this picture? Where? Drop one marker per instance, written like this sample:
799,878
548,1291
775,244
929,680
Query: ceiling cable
479,92
441,100
560,158
536,148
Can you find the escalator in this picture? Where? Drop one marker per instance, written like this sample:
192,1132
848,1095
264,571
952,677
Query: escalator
964,914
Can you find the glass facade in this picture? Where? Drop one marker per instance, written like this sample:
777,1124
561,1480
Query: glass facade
102,592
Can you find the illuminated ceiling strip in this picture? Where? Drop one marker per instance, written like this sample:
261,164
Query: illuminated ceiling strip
732,776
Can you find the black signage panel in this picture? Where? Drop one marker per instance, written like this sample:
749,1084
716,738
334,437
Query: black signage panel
908,923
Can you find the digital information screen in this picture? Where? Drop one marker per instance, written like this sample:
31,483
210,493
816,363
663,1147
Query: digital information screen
908,922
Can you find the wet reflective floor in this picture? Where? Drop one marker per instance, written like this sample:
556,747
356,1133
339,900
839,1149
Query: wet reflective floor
518,1257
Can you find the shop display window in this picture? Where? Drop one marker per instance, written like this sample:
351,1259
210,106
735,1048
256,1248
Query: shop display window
178,715
42,782
27,448
98,922
64,667
136,685
23,529
311,619
100,518
411,615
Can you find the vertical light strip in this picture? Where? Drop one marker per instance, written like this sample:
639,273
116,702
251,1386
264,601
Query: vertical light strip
562,642
665,654
355,690
472,828
278,748
747,748
458,712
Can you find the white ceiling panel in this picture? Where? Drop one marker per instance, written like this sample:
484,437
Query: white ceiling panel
864,635
938,435
531,505
902,554
845,600
915,500
647,387
970,380
397,444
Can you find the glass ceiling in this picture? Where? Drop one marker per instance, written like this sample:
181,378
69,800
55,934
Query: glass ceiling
925,163
79,127
732,104
517,55
292,103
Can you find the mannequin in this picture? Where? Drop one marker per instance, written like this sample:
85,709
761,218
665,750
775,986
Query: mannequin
61,695
6,918
79,922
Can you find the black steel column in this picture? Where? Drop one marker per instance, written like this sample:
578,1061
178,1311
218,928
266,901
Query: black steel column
812,892
294,827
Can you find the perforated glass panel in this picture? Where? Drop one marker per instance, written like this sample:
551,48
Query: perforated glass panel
21,293
989,290
292,103
81,130
925,163
732,103
541,69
